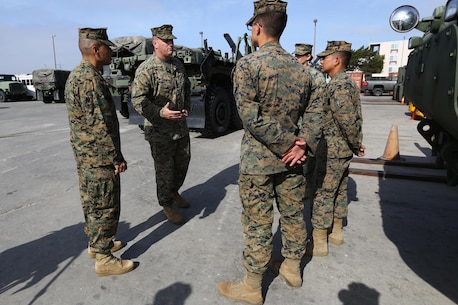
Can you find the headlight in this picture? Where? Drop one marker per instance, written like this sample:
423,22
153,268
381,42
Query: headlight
451,10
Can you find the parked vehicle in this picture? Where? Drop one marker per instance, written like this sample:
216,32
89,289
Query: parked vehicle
11,88
430,78
50,84
213,108
26,79
378,85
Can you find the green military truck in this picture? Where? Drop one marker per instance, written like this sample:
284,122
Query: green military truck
50,85
430,80
213,110
11,88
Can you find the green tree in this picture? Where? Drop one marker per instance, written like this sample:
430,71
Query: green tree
366,60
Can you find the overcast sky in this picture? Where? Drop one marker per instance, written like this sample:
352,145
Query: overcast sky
28,27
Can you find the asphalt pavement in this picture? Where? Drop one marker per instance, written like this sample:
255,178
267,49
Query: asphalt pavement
400,238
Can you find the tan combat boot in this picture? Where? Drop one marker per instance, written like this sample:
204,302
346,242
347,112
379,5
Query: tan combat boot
117,245
107,264
180,201
173,215
336,236
290,270
248,290
318,246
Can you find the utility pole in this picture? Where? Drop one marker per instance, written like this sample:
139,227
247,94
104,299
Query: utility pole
54,51
201,39
314,36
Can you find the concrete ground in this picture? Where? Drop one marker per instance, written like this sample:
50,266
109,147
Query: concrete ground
400,238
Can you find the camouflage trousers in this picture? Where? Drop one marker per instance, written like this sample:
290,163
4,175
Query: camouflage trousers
171,162
100,198
330,200
257,193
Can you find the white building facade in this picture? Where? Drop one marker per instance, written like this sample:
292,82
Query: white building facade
396,54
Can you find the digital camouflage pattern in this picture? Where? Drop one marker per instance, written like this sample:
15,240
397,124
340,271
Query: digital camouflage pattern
302,49
313,118
163,32
257,193
335,46
100,198
94,136
94,126
157,83
342,131
267,6
269,109
271,90
99,34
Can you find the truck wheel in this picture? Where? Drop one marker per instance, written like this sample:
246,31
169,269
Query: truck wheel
236,122
217,111
377,91
2,97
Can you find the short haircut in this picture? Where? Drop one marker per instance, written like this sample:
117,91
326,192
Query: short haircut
85,45
345,57
274,23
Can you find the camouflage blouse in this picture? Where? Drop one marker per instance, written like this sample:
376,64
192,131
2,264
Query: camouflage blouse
343,120
94,126
271,90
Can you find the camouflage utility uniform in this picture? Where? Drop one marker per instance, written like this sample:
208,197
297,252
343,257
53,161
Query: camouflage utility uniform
314,117
157,83
342,131
94,136
272,91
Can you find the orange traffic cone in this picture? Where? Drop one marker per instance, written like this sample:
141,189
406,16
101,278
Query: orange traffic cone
392,145
402,100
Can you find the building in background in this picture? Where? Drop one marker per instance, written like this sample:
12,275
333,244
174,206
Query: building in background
396,54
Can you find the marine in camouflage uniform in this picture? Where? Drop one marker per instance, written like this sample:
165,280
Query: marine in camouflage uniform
342,132
95,139
160,86
271,90
313,115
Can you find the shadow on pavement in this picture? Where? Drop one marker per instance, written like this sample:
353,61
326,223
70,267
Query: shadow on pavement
31,262
422,224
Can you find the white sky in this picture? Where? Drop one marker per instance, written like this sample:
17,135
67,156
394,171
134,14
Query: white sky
27,26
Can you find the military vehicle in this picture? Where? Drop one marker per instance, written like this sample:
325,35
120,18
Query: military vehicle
431,77
11,88
213,108
50,85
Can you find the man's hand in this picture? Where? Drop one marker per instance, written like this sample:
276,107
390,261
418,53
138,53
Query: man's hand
296,153
174,115
121,167
360,152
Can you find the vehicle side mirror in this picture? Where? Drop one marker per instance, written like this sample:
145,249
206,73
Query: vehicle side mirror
404,18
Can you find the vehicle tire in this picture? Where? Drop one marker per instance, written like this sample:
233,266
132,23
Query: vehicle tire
39,95
377,91
47,99
217,111
2,96
236,122
452,178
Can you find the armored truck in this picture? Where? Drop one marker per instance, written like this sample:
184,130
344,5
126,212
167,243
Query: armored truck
213,110
11,88
50,84
430,81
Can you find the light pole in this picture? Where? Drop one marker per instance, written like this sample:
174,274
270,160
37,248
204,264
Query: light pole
314,36
54,51
201,39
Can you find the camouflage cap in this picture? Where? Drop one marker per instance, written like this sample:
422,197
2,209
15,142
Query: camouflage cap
302,49
99,34
267,6
335,46
163,32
